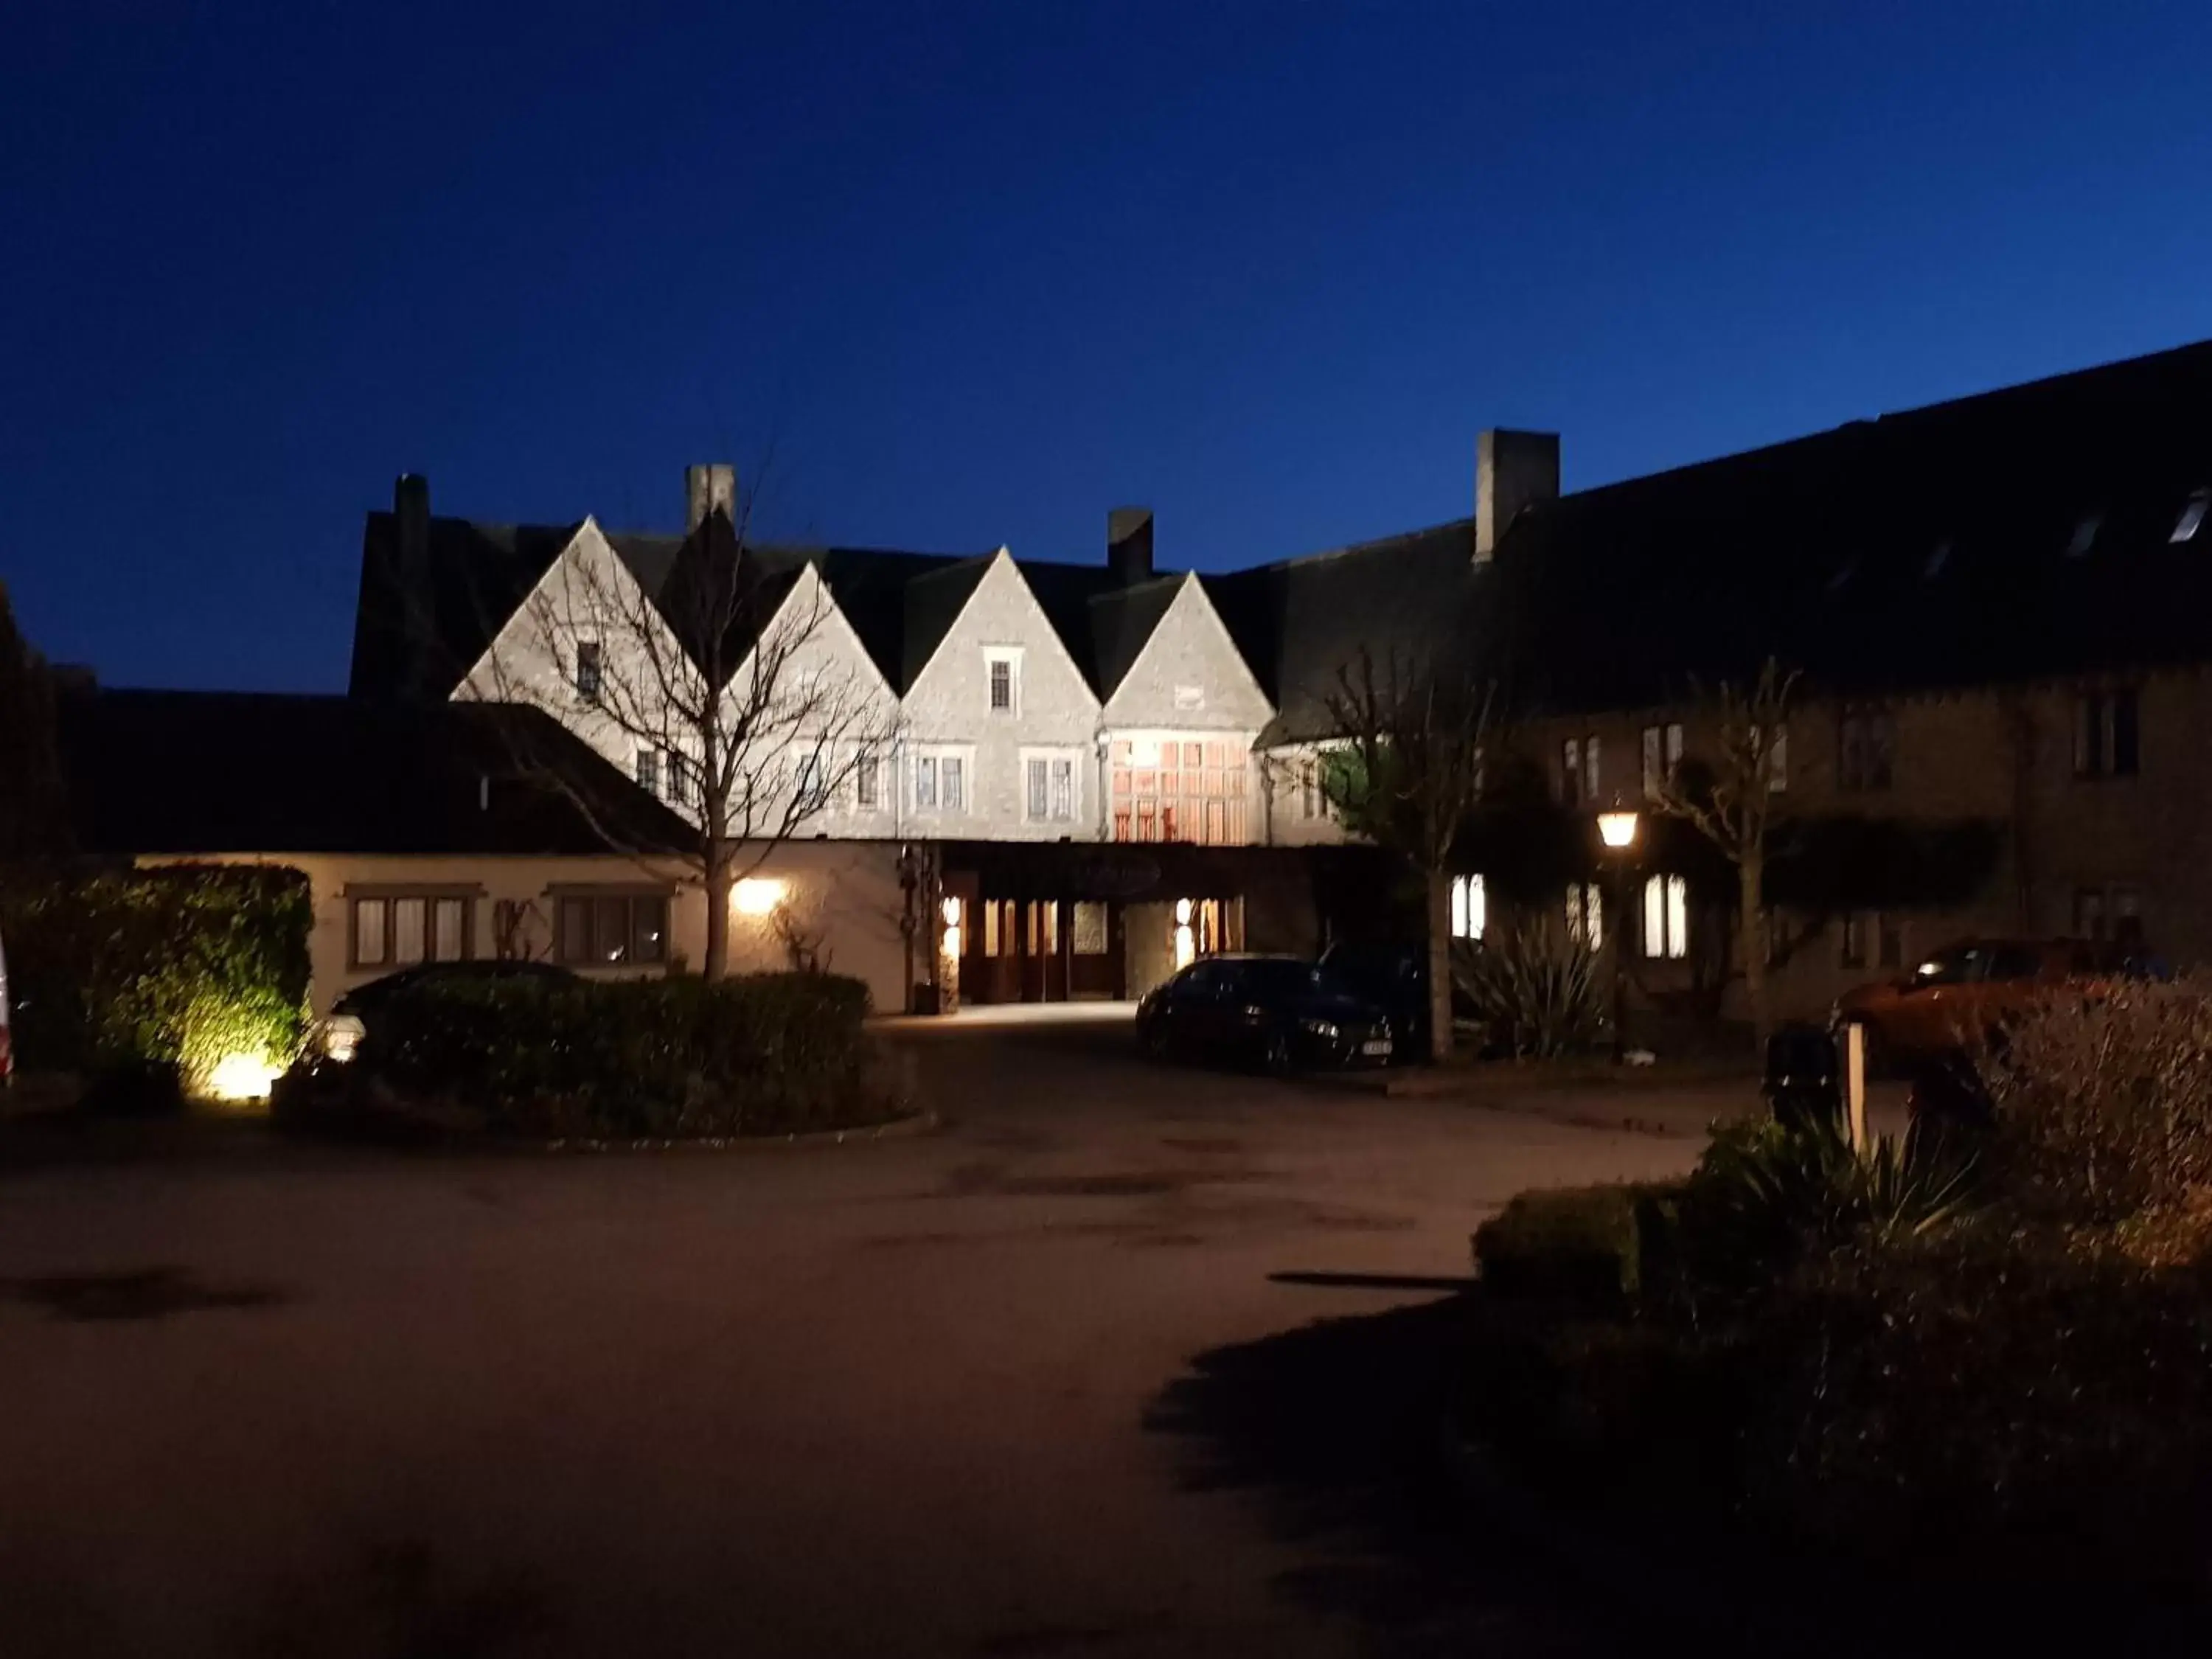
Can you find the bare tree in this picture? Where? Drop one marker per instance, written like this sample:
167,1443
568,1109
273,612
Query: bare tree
1730,802
731,690
32,816
1406,773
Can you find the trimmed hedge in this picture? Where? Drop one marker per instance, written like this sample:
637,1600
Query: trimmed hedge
141,972
1577,1242
761,1054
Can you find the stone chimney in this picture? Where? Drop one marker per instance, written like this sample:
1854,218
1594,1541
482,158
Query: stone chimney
411,576
1512,470
705,488
1129,544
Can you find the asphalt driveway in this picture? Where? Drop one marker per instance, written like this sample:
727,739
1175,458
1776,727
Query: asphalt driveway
1051,1380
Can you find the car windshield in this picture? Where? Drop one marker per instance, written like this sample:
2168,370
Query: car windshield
1952,967
1287,978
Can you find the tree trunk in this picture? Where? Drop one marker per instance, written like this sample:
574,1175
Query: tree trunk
719,867
1750,933
1440,984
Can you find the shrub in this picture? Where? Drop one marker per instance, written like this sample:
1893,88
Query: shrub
1575,1242
2104,1103
764,1053
1767,1193
1536,986
145,970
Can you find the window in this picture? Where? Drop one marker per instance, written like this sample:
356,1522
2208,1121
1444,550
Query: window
1586,913
1871,936
590,670
950,776
1854,951
1662,754
1190,699
648,771
684,778
1310,789
399,930
1938,556
866,786
1090,928
2192,517
1578,771
2113,913
1889,941
1063,790
1002,673
2107,734
1866,749
1040,788
811,790
1468,907
1778,760
611,930
1666,918
1048,789
2085,535
924,783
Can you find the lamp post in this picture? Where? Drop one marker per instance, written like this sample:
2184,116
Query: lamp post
1617,829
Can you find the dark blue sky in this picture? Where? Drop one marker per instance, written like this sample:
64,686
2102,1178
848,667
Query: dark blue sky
976,274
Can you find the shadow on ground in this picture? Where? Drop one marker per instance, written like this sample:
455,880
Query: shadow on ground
139,1293
1336,1427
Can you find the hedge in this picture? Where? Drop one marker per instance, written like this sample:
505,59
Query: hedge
176,967
761,1054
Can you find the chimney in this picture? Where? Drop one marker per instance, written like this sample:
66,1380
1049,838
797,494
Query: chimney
1512,470
1129,544
411,575
705,488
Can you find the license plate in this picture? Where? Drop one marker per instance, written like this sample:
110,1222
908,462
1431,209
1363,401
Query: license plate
1380,1046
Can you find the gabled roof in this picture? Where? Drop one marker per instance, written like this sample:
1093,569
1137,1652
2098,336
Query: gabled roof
1121,622
189,772
1301,623
2008,536
935,600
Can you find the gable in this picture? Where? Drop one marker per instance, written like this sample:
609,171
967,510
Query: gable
999,611
829,651
1190,649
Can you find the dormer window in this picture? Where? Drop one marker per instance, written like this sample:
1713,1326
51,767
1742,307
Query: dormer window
2192,516
1002,672
2085,535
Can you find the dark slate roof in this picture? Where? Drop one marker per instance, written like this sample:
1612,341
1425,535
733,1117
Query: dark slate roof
1122,620
1926,549
234,772
1301,623
478,574
934,599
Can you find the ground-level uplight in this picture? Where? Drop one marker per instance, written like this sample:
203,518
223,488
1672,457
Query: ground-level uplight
1186,942
238,1078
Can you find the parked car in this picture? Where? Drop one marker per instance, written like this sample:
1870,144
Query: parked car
1395,978
1967,990
350,1017
1281,1013
7,1037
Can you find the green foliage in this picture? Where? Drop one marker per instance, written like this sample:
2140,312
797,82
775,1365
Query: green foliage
178,966
761,1054
1767,1194
1576,1242
1536,986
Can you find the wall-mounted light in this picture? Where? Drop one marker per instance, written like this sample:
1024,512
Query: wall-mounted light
1186,942
757,896
952,908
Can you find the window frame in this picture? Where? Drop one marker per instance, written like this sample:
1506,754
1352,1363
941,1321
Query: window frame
390,896
1009,658
592,898
1670,941
588,675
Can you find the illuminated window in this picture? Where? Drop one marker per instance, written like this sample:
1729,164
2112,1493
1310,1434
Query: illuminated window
1666,918
1662,754
1586,913
1468,908
399,930
1578,770
2192,517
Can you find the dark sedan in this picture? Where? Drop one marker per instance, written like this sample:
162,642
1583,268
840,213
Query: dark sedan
1280,1012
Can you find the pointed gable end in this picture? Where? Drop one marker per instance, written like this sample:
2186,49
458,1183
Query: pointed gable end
996,612
1184,670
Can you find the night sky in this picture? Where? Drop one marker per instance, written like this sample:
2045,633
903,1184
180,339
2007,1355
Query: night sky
972,275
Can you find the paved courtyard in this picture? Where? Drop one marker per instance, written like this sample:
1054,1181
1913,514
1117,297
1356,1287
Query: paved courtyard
1102,1369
